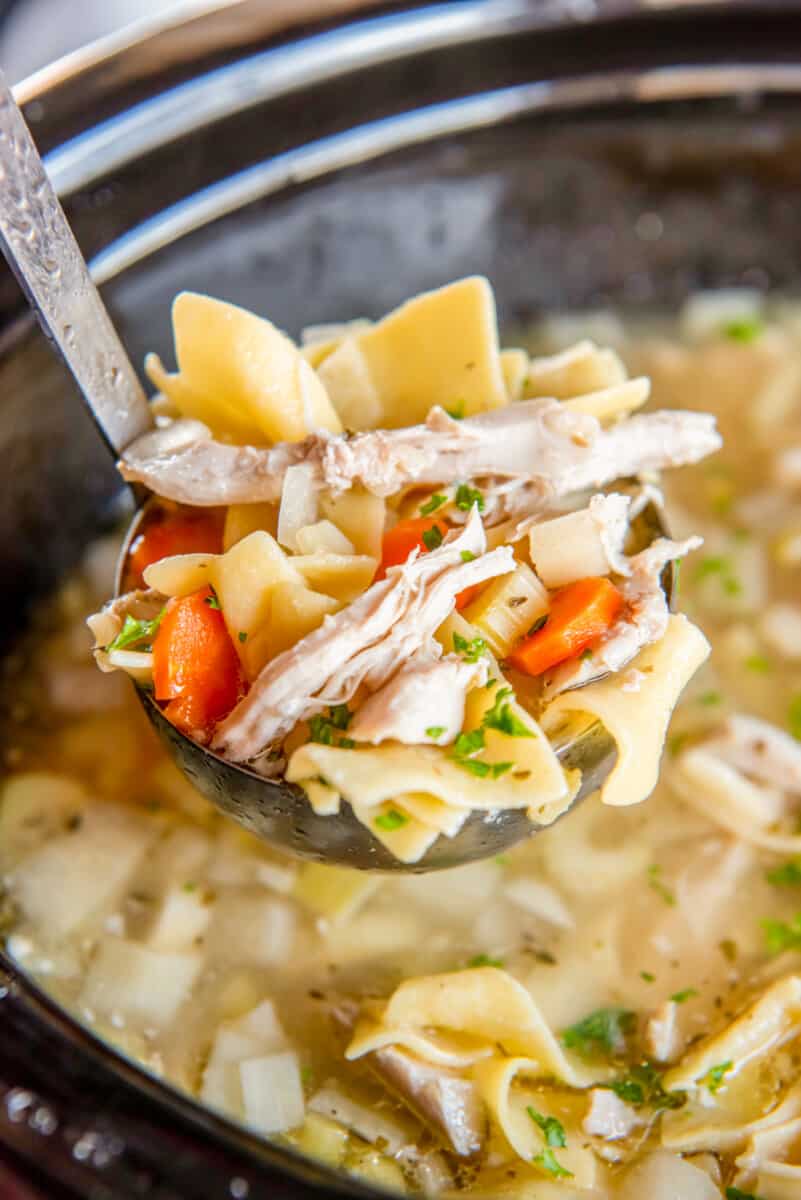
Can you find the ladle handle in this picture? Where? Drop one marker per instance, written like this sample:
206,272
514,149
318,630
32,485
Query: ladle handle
41,250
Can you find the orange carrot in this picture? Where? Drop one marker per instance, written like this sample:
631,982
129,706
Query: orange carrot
406,536
579,614
192,531
195,665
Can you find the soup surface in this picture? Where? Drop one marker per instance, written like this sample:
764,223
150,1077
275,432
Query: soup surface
610,1010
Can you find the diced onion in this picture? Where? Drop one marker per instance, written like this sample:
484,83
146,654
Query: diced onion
272,1092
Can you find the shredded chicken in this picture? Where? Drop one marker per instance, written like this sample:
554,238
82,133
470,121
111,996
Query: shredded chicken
143,605
663,1041
611,516
425,695
557,450
760,750
363,644
608,1116
644,619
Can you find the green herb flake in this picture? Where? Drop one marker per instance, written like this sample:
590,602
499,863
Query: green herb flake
430,506
683,996
471,650
743,329
552,1129
713,1080
728,948
794,717
604,1030
676,742
340,716
647,976
467,556
787,875
548,1162
391,820
760,664
782,935
709,699
242,635
134,632
502,860
474,766
432,538
500,768
540,622
485,960
346,743
190,885
324,729
213,601
468,744
466,496
735,1193
643,1085
457,411
435,732
656,885
501,717
306,1076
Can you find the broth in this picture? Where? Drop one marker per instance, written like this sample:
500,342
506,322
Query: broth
186,924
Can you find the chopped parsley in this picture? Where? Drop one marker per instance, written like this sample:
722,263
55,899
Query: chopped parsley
553,1130
242,635
794,717
190,885
134,632
538,624
468,744
683,996
213,601
391,820
430,506
743,329
656,885
465,497
787,875
466,555
713,1080
482,770
432,538
647,976
677,741
457,412
502,860
485,960
782,935
324,729
643,1085
547,1161
501,717
471,650
604,1030
435,731
760,664
735,1193
720,566
708,699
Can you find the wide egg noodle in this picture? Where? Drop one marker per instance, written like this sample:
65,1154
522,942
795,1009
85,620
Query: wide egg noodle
638,720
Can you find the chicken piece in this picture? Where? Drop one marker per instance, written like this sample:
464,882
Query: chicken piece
644,619
426,694
608,1116
663,1040
182,462
362,644
443,1099
557,450
760,750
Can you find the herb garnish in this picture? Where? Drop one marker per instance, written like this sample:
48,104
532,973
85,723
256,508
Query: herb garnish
547,1161
553,1130
713,1080
735,1193
465,497
457,412
708,699
213,601
501,717
390,820
242,635
781,935
432,538
647,976
760,664
133,632
643,1085
466,555
794,717
743,329
324,729
538,624
719,565
470,651
436,501
435,731
485,960
683,996
606,1030
656,885
787,875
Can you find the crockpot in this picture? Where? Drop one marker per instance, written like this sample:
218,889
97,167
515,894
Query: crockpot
317,161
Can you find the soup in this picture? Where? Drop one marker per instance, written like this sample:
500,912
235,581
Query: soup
610,1009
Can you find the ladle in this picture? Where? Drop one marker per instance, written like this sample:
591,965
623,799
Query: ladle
41,249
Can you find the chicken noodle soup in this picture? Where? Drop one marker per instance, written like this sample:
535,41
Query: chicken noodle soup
395,617
611,1010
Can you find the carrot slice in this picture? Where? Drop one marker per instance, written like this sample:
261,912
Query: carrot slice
188,532
407,536
579,614
195,665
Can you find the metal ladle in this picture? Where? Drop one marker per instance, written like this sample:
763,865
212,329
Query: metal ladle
41,249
